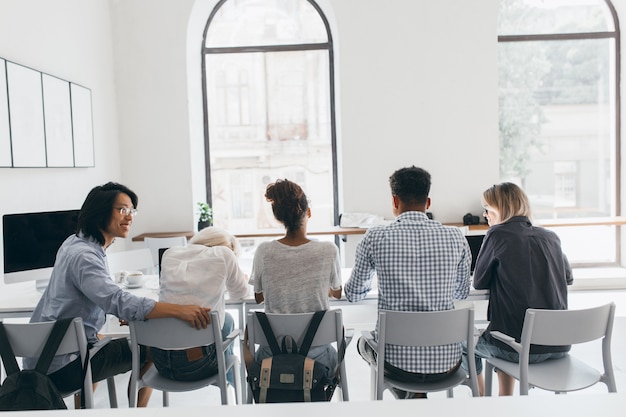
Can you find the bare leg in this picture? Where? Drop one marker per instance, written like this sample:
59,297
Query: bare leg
506,384
481,384
143,396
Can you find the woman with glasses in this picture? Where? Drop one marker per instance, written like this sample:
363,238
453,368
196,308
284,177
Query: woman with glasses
81,286
523,267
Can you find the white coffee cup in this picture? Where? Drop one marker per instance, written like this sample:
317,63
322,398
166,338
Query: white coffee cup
134,278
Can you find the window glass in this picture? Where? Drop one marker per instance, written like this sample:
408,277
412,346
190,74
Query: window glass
268,111
265,22
557,121
535,17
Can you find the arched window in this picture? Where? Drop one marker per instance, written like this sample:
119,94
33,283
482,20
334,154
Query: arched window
268,80
559,116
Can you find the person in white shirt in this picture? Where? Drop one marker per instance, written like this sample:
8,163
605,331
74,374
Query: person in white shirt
200,273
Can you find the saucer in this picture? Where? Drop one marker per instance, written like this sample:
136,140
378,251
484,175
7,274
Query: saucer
133,286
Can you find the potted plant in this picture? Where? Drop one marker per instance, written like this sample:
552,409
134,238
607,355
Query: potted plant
206,215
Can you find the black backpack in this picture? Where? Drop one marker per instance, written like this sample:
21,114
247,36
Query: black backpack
289,375
31,389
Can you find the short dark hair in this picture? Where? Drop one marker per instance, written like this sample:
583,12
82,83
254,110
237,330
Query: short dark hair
96,212
289,203
411,185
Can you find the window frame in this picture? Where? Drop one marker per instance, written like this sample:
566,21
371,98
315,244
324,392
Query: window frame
329,46
616,36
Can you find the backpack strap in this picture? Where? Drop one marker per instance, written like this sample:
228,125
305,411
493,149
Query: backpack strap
314,324
269,333
6,352
52,344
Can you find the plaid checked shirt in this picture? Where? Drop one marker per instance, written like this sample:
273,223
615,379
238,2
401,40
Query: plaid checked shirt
421,265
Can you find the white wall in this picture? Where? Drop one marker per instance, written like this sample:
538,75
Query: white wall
417,85
433,103
70,39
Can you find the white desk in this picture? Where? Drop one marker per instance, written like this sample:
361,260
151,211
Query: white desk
19,300
573,405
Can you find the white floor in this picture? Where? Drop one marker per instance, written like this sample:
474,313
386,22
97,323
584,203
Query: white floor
363,317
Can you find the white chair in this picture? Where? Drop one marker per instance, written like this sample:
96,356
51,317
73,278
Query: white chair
28,339
156,243
330,330
558,328
174,334
422,328
130,260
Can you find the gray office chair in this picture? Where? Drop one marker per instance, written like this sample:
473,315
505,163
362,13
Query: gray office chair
557,328
28,339
174,334
331,330
422,328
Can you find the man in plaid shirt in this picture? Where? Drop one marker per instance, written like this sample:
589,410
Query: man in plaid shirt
421,265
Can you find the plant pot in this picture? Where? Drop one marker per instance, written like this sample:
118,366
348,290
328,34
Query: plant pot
204,225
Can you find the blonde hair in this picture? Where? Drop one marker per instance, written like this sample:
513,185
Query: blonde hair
509,199
214,236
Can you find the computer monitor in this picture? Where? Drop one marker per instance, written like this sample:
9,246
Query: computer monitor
31,241
475,242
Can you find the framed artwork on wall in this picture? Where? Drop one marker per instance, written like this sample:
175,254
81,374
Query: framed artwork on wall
58,118
82,126
45,121
28,142
5,132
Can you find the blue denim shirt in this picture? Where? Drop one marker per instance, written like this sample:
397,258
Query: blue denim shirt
81,286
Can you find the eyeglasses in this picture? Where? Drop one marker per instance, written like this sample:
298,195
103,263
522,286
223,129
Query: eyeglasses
125,211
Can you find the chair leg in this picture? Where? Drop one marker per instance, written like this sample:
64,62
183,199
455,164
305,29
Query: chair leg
488,378
372,384
344,383
112,392
236,383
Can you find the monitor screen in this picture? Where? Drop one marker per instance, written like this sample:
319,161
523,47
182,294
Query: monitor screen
475,242
31,242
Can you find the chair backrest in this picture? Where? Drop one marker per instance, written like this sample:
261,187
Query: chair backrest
175,334
567,327
295,325
172,333
131,260
28,340
156,243
426,328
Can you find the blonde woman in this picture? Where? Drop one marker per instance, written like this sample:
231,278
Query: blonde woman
523,267
203,271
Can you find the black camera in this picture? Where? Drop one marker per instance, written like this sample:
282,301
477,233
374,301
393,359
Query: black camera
470,219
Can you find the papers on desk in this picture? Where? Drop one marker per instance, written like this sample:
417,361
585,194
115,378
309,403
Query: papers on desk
361,220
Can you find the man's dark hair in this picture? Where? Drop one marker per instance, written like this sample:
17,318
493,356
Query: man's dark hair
411,185
96,212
